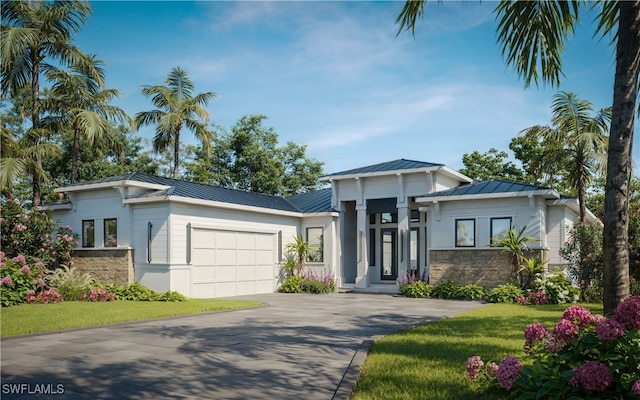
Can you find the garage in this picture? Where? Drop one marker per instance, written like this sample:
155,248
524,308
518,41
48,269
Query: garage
232,263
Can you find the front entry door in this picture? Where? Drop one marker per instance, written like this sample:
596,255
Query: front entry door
389,254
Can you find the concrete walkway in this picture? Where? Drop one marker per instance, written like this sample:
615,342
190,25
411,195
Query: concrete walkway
297,347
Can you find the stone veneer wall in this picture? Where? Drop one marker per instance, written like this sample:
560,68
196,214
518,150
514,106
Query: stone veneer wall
106,265
485,267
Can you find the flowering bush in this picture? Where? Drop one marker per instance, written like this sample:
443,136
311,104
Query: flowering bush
584,356
310,283
557,288
43,297
536,298
98,295
412,286
17,277
583,255
31,233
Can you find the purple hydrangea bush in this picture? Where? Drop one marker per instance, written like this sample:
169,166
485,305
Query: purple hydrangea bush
584,356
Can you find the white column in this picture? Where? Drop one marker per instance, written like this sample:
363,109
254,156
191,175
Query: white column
362,280
403,238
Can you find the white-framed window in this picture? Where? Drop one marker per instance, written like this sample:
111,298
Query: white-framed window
465,232
88,233
111,232
499,228
315,238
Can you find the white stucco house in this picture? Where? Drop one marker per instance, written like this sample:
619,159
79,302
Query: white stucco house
373,225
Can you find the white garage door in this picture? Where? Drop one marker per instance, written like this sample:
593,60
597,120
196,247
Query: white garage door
232,263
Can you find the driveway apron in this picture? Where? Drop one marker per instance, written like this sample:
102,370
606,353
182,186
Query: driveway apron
296,347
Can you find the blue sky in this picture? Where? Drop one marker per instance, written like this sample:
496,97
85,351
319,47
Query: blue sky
334,76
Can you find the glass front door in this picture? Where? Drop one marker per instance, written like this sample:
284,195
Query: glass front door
389,256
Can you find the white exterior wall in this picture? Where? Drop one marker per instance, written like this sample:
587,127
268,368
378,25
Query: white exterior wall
560,221
155,273
329,264
442,227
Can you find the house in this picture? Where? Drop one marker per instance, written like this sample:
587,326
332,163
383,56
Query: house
372,225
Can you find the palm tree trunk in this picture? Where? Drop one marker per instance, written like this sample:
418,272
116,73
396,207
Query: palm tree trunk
176,153
36,197
616,205
74,154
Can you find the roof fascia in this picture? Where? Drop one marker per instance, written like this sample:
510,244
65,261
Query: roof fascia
110,185
395,172
575,206
210,203
433,199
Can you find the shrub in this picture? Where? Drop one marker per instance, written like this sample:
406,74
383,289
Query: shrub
534,298
446,290
557,288
315,284
18,278
507,293
30,233
44,297
583,357
292,284
71,284
471,292
418,289
171,295
583,255
96,295
134,291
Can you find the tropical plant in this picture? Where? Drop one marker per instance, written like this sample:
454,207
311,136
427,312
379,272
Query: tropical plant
579,136
529,268
69,282
293,284
446,290
32,32
177,107
582,253
300,249
532,35
507,293
78,96
515,244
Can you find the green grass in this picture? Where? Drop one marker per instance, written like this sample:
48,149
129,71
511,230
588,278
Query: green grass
34,318
428,362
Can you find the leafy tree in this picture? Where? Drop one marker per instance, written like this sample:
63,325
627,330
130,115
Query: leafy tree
79,98
249,158
532,36
176,107
32,32
491,165
541,162
578,136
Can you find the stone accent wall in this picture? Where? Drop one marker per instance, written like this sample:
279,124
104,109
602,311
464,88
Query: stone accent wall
106,265
485,267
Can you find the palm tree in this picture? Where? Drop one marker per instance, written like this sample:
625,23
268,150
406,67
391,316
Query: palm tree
176,107
578,135
514,244
31,32
79,98
532,35
300,249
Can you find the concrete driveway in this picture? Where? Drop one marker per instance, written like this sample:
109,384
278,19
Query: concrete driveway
297,347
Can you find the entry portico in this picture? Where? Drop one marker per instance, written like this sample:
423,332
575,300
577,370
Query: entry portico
384,233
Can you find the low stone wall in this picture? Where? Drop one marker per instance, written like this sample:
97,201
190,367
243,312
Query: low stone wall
485,267
106,265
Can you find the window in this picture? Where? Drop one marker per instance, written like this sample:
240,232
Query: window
388,218
372,247
499,228
316,244
88,233
111,232
415,216
465,232
372,219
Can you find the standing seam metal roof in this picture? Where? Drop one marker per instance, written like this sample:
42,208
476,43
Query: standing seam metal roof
396,165
488,187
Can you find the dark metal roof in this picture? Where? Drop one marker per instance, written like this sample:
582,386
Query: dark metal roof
319,201
396,165
313,202
488,187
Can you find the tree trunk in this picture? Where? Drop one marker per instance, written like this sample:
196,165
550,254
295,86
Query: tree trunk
176,153
36,197
616,205
75,153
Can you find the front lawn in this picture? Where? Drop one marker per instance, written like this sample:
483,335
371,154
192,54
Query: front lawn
33,318
428,362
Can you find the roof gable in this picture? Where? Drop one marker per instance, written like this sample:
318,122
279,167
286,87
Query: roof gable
396,165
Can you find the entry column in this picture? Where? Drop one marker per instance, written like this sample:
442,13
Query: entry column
362,280
403,235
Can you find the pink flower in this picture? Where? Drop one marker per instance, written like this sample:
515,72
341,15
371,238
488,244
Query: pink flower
473,367
553,344
2,255
609,329
565,330
628,313
7,281
508,372
578,315
534,333
593,375
636,387
25,270
39,264
19,259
